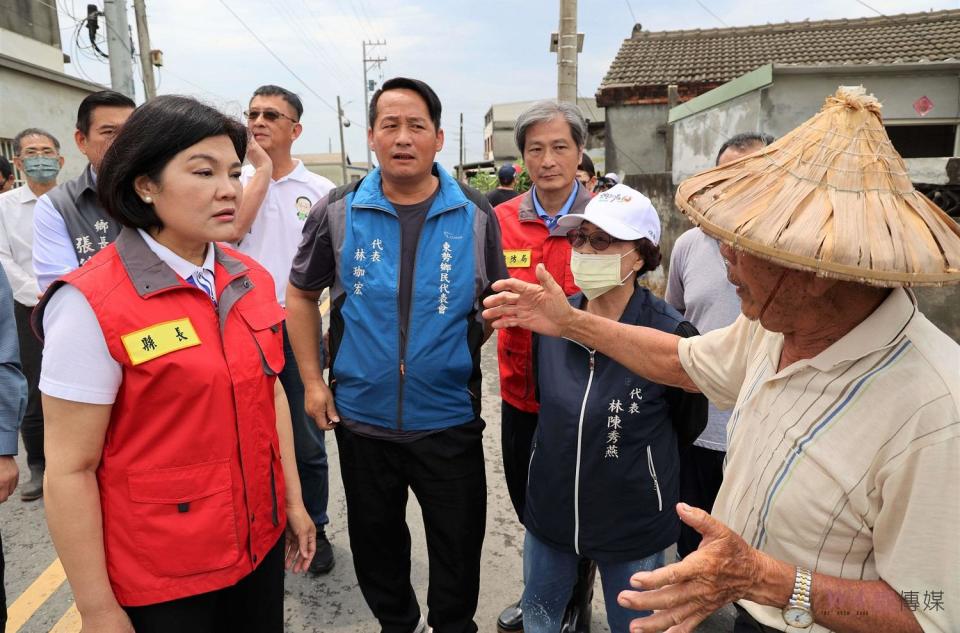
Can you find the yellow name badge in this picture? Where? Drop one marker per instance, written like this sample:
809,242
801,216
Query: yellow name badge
518,259
157,340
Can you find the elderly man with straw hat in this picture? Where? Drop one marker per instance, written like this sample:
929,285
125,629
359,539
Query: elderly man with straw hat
842,485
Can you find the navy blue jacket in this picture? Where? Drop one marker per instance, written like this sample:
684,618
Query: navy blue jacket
604,469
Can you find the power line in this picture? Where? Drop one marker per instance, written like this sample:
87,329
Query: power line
632,14
320,24
869,7
715,16
277,57
287,13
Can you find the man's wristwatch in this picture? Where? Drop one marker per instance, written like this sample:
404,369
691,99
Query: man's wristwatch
798,612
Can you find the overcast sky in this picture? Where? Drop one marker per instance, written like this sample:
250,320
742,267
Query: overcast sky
473,54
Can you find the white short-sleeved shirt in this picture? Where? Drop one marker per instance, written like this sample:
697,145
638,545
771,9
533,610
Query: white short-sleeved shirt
77,364
276,232
847,463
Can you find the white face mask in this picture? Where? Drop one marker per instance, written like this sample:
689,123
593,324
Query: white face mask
597,274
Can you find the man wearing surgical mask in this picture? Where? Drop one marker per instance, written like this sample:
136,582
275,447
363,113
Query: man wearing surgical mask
37,157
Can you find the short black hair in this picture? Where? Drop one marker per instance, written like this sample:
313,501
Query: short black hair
156,132
292,98
6,170
650,253
743,141
405,83
104,98
32,131
586,164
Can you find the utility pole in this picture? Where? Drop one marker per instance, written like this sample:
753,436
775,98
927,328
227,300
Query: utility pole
367,88
343,151
460,167
673,99
569,43
143,38
119,47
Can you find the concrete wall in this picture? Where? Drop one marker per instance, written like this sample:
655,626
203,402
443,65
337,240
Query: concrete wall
635,138
35,20
30,101
659,188
698,138
30,50
793,98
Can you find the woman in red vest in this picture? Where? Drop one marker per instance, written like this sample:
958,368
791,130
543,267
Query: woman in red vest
171,474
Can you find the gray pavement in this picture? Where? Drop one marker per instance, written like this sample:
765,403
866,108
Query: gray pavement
331,603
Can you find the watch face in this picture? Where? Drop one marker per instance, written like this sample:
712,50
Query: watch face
797,616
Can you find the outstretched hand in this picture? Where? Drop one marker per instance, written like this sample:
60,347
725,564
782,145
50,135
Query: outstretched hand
682,595
541,307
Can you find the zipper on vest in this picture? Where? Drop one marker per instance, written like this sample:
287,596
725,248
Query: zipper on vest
653,475
576,476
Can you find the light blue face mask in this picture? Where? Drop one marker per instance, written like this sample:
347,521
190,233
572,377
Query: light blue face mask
42,169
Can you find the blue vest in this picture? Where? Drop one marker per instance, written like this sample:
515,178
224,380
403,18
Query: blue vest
420,383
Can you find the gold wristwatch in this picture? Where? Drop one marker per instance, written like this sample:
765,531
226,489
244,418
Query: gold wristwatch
798,611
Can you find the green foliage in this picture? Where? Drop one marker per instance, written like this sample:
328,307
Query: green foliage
523,182
484,182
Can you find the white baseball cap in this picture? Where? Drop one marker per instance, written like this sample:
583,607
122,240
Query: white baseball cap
621,212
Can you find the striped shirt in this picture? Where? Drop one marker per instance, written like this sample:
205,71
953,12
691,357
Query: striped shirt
847,463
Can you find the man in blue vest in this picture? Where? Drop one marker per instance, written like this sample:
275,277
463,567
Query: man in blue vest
408,253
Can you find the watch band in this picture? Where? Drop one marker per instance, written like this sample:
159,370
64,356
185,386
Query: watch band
801,588
799,611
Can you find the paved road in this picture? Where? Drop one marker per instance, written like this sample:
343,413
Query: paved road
41,601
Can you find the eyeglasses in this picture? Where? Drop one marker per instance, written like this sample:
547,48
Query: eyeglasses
599,240
47,152
269,115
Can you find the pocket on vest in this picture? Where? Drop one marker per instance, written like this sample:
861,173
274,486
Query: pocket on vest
184,518
265,322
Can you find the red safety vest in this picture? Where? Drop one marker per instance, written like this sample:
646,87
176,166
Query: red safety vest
191,484
527,242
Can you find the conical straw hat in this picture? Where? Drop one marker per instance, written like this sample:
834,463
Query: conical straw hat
832,197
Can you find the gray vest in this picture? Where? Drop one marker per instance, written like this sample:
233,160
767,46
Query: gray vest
90,228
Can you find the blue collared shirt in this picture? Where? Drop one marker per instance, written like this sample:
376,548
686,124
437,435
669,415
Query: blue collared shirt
551,221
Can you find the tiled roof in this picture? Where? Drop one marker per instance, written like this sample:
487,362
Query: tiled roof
649,61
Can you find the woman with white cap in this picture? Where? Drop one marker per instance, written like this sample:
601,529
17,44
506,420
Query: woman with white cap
603,474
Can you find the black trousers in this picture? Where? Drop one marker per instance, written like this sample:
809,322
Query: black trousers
701,473
445,471
516,435
3,590
253,605
31,352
